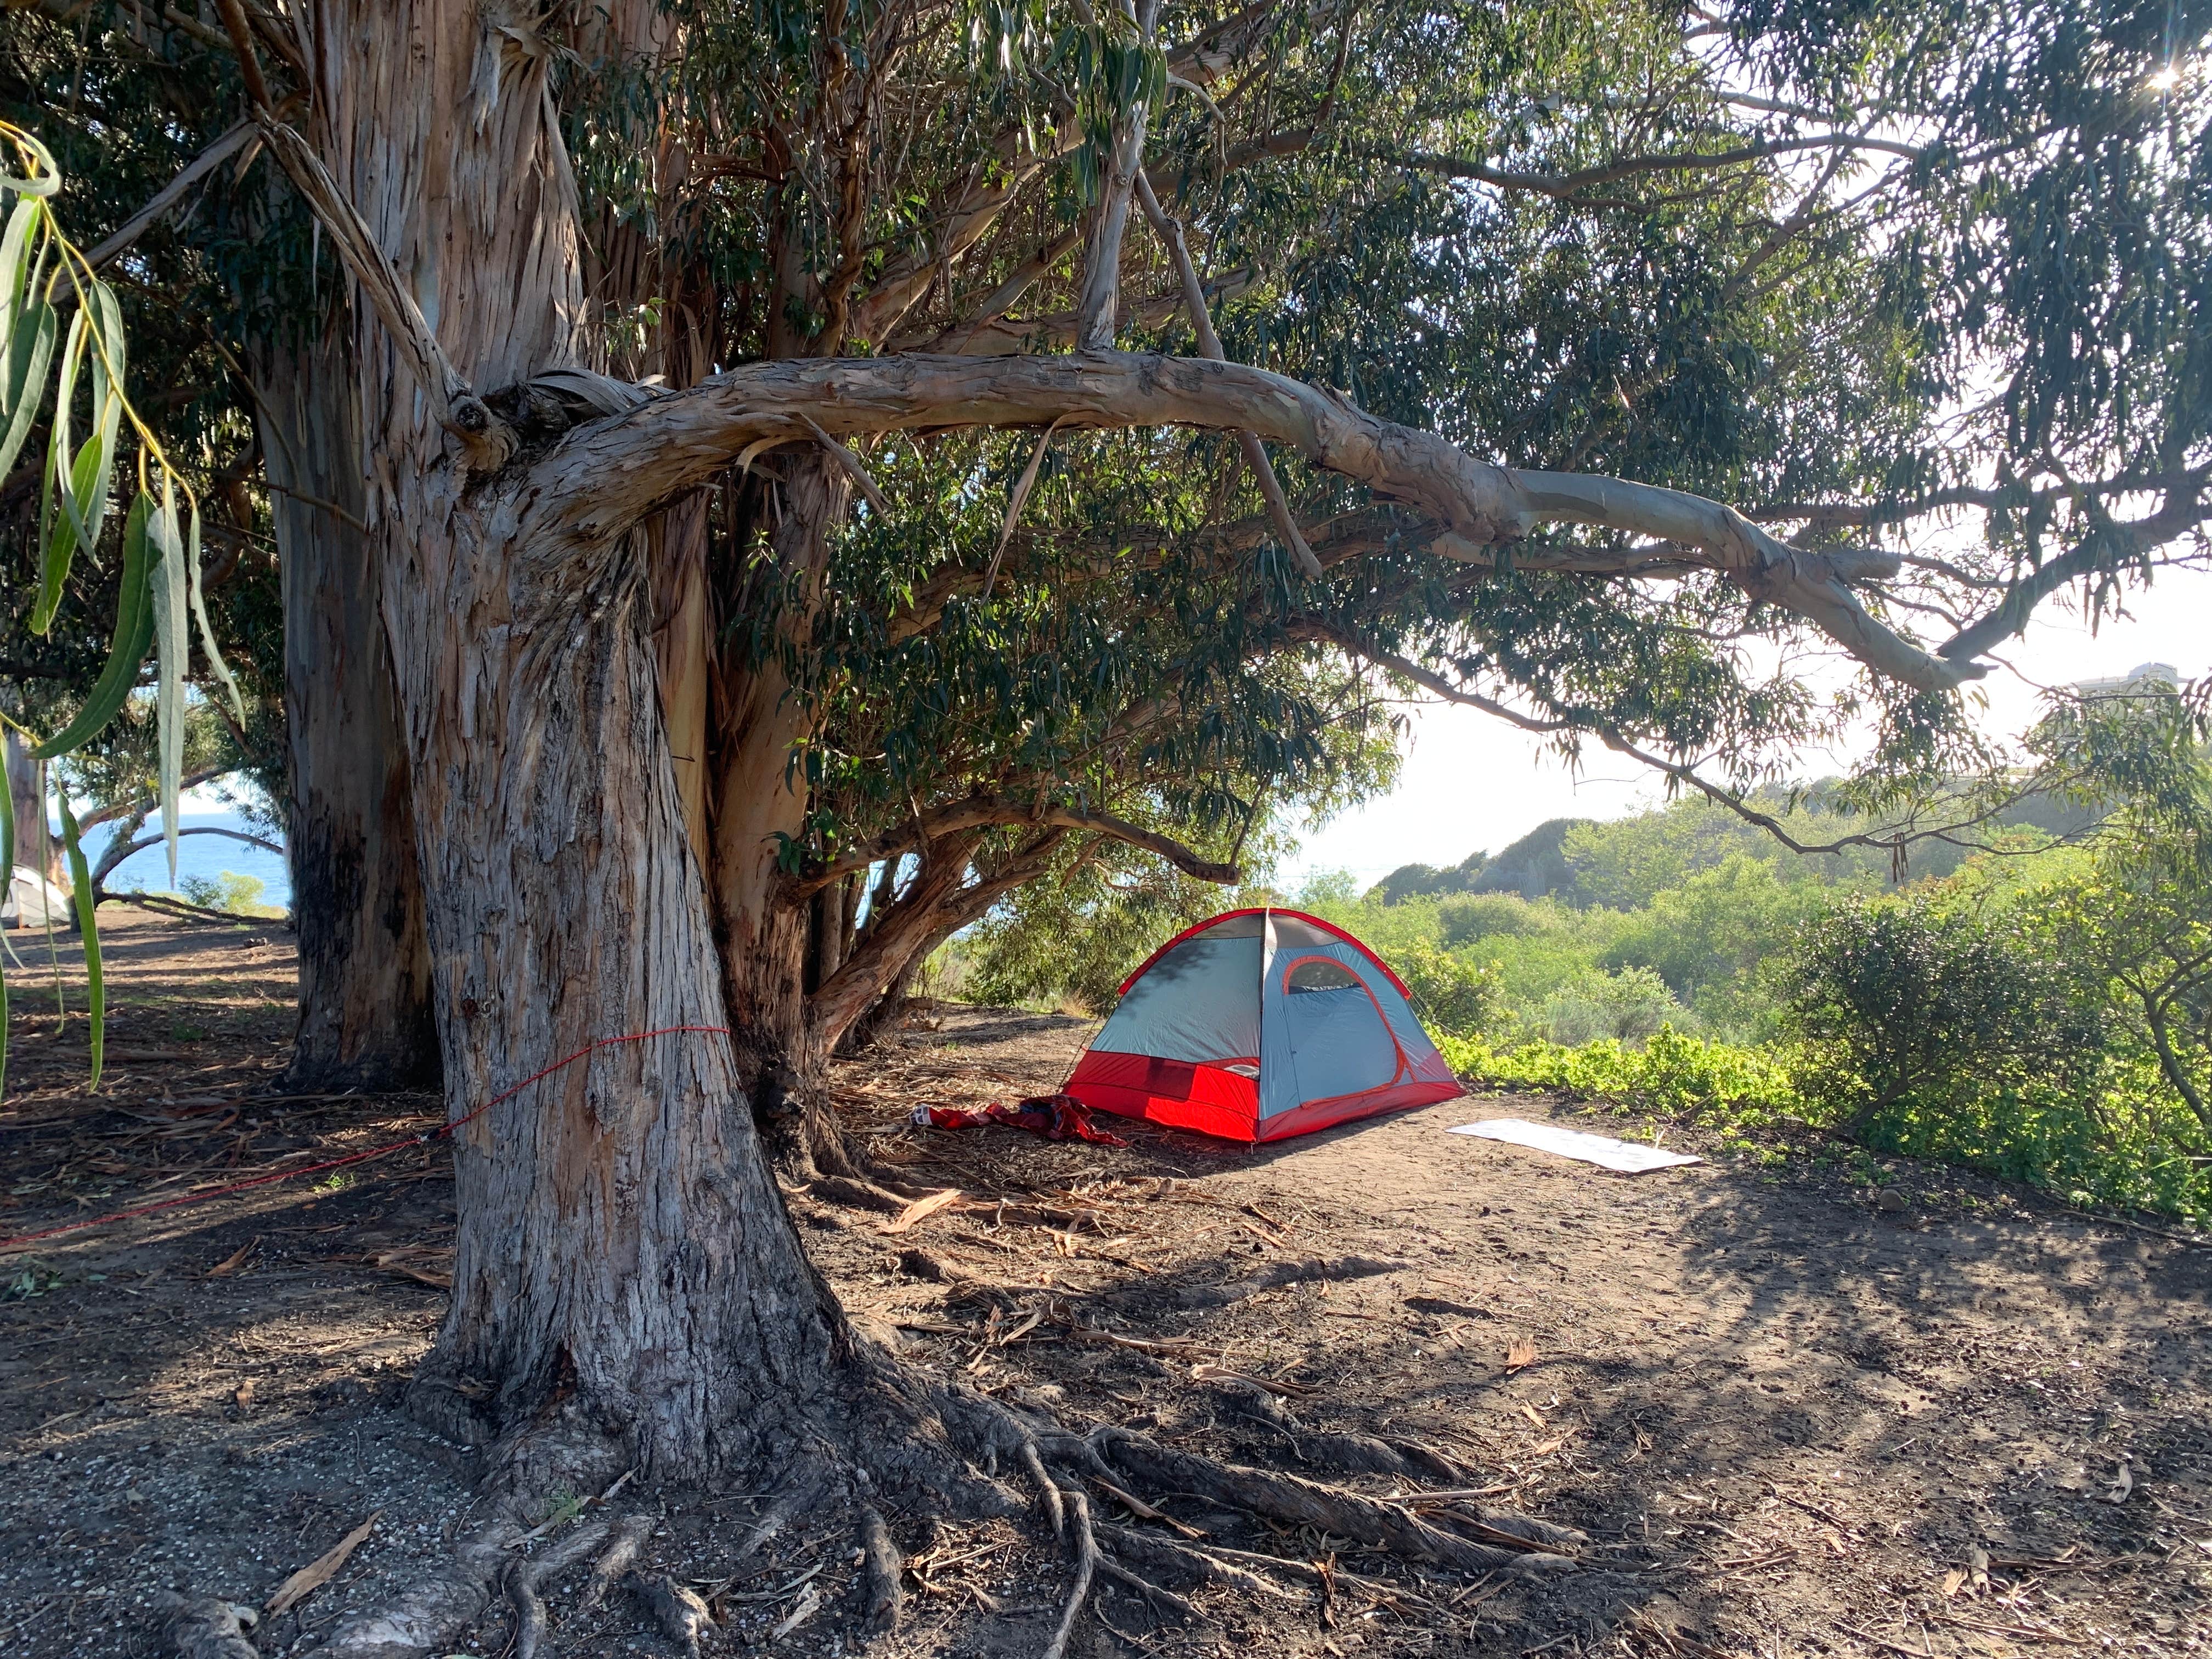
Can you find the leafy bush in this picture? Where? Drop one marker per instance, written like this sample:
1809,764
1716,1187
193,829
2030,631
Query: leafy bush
1454,996
1629,1006
240,894
1672,1075
1909,1009
1470,918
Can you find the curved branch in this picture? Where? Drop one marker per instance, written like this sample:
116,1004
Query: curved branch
579,498
115,854
140,805
1892,839
984,811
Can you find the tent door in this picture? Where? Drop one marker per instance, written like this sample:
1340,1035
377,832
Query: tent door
1339,1041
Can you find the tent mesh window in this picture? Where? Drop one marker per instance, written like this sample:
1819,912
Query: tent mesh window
1320,974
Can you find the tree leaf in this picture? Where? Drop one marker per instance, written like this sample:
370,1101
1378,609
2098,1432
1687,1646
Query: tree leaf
15,244
168,589
216,665
134,635
80,896
46,175
22,375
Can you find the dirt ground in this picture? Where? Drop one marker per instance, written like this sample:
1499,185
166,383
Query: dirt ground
1795,1411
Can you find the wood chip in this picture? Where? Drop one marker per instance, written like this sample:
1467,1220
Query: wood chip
319,1571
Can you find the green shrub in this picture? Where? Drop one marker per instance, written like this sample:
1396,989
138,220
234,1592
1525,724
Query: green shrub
1908,1009
1469,918
1454,996
1686,1078
240,894
1629,1006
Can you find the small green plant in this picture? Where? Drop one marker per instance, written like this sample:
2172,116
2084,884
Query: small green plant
336,1181
1629,1006
32,1278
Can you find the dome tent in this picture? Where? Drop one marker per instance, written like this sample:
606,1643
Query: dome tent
1258,1025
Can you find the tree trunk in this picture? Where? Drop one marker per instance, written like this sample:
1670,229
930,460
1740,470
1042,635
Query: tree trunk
356,892
624,1264
757,803
35,848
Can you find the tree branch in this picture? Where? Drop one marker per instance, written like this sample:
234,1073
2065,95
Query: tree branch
455,407
1568,185
1209,346
140,805
172,193
984,811
578,498
1098,311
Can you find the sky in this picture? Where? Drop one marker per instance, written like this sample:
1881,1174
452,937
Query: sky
1470,782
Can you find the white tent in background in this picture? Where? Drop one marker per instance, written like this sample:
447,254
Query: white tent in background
32,900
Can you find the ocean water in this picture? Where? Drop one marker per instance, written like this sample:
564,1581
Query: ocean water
207,857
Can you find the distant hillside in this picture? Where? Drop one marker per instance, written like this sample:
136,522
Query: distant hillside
1532,866
1410,881
1620,863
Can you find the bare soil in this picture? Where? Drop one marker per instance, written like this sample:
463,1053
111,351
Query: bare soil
1834,1409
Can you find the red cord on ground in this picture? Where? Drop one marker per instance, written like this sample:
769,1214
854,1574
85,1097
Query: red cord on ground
424,1139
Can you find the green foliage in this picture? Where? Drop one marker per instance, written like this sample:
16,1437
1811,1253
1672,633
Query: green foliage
1471,918
1453,995
239,894
1070,938
1671,1076
1910,1010
1626,1008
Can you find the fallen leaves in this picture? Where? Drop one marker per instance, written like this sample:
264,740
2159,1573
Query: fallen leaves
922,1209
237,1259
320,1571
1520,1353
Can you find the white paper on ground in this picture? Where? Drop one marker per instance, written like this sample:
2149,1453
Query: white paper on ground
1603,1150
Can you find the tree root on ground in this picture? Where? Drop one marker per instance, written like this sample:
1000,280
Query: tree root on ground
525,1577
883,1597
680,1613
883,1438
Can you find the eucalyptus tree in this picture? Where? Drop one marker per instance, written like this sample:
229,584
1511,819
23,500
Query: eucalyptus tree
235,318
1808,239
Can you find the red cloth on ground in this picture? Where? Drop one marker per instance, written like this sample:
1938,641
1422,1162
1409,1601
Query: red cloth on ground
1056,1118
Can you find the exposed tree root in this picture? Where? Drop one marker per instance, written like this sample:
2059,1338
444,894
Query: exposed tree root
881,1433
679,1611
882,1596
617,1558
526,1578
1186,1564
428,1613
1086,1545
1307,1503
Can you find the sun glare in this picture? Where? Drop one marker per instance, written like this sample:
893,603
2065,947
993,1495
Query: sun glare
2167,79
